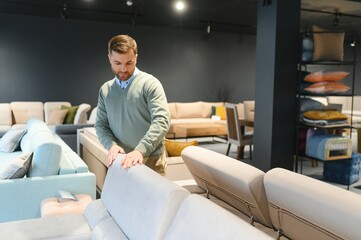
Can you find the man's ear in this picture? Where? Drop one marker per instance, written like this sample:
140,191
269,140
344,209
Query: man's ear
109,56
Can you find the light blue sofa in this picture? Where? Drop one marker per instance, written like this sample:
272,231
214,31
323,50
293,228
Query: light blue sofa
54,167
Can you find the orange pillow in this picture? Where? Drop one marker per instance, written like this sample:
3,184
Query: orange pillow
326,76
221,111
327,87
175,148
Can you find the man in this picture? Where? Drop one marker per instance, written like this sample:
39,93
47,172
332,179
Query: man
132,114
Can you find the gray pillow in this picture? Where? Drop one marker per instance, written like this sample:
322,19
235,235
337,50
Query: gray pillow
11,140
17,168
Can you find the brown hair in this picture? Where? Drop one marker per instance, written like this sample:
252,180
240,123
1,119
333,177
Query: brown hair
122,44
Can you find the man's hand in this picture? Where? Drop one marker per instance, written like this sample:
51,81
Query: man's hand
131,159
113,152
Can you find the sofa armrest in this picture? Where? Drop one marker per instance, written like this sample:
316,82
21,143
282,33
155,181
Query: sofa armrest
21,198
69,128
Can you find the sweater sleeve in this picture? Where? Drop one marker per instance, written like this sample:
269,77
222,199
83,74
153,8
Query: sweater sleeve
160,118
104,133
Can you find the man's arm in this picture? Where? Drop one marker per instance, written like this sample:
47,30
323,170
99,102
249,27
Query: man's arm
160,119
104,133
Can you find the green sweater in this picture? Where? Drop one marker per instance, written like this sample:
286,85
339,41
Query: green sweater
135,118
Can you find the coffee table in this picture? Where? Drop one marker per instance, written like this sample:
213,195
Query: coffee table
201,130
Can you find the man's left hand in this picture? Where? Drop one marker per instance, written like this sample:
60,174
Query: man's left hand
131,159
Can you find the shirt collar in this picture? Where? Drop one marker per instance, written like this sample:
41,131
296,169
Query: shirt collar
125,84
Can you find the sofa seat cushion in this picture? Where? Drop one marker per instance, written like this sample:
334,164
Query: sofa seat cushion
71,226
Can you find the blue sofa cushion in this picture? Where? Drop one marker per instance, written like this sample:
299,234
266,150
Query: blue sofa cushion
11,140
17,168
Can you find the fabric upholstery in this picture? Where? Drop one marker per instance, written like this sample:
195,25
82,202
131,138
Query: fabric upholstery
72,226
326,76
327,46
57,116
234,182
49,107
23,111
207,223
175,148
69,118
11,140
5,116
81,115
52,207
300,204
16,168
151,206
190,110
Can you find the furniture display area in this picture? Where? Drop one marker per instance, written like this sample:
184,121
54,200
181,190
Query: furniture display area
200,114
64,121
323,130
120,213
95,156
281,203
51,166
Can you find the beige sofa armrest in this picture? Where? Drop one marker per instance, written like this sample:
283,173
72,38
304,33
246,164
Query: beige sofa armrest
81,114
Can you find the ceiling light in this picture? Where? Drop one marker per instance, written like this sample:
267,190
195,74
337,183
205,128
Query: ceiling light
208,28
129,3
180,5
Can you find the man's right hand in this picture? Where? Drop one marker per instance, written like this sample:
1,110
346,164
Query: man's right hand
113,153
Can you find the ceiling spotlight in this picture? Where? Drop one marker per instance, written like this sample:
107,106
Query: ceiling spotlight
180,5
336,20
129,3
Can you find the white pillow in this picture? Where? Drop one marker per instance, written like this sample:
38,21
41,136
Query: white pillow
11,140
17,168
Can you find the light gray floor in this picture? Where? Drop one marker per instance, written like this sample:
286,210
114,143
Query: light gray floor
220,146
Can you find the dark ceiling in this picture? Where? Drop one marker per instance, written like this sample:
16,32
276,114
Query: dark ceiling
236,16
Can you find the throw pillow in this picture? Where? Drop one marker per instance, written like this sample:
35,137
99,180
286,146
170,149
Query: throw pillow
327,46
11,140
221,111
69,118
325,115
17,168
175,148
327,87
57,116
213,112
326,76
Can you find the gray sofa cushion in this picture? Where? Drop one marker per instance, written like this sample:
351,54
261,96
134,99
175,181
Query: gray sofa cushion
137,206
71,226
199,218
108,230
95,213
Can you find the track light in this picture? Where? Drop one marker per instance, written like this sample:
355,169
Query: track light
336,20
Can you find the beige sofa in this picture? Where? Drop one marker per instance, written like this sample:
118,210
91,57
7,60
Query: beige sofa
200,112
279,202
18,113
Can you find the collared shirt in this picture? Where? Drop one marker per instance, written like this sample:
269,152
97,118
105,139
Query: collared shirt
125,84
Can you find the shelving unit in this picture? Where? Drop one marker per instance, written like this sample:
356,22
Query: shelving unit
339,129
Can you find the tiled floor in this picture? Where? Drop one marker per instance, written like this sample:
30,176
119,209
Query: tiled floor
220,146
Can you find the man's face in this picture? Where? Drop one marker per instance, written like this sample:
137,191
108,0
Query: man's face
123,65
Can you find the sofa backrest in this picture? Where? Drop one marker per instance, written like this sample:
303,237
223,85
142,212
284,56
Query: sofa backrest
47,153
302,206
5,114
179,110
24,111
141,202
199,218
236,183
